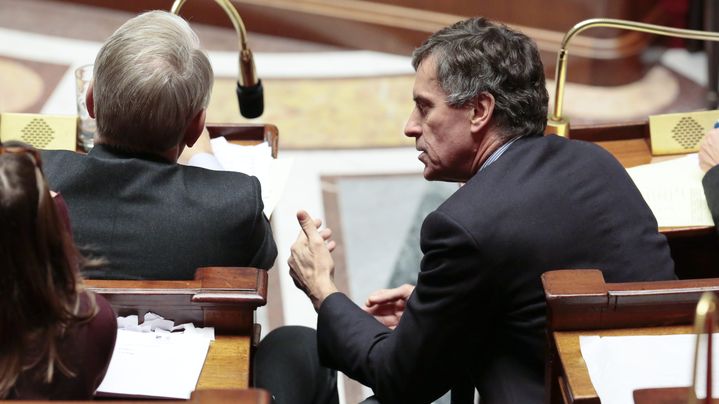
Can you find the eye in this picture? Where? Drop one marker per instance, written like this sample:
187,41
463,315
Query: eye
422,108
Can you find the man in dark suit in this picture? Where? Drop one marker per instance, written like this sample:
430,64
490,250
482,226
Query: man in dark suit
129,200
708,161
530,203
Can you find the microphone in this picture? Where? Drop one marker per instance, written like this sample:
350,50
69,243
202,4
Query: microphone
250,95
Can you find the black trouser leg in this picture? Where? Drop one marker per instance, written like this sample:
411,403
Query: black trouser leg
287,364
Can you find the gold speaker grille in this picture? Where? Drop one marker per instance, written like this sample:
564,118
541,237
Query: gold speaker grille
688,132
38,133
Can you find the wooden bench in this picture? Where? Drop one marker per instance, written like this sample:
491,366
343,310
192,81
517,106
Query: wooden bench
218,396
580,302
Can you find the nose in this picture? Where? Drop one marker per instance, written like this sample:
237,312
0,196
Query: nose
412,128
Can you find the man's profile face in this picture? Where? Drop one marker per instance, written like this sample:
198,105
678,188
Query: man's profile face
441,133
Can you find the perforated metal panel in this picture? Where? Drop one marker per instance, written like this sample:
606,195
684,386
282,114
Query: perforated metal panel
39,130
38,133
680,132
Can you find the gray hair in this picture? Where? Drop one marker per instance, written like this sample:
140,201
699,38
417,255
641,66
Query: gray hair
475,56
150,80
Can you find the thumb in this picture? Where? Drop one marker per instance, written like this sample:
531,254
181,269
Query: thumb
307,224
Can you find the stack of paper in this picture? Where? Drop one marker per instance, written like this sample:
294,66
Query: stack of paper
151,361
673,190
620,365
255,160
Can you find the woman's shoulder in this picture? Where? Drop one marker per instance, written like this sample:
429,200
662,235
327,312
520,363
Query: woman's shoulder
102,326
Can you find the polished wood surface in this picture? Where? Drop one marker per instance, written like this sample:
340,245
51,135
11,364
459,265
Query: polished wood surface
668,395
215,396
580,302
398,26
227,364
221,297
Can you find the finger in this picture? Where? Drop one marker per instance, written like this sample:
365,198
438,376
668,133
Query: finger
308,225
387,295
326,233
407,289
331,245
318,223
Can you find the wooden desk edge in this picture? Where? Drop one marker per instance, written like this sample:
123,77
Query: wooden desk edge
574,369
227,364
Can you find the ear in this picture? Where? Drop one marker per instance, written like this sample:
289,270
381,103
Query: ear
90,100
482,111
194,129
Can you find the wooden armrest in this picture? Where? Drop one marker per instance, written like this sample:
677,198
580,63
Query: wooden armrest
209,396
247,134
220,297
582,300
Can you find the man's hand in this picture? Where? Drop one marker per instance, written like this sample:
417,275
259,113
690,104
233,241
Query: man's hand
387,305
709,150
311,265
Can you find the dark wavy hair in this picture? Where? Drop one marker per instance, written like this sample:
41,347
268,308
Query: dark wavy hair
475,56
39,273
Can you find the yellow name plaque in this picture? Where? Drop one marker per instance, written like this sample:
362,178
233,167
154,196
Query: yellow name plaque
681,132
41,131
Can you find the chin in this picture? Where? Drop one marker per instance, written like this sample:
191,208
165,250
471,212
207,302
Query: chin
430,175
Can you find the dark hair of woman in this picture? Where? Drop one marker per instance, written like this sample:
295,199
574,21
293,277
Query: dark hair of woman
40,283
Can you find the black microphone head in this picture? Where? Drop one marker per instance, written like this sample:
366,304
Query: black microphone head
251,99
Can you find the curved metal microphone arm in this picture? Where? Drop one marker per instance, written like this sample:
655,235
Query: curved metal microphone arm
556,123
249,87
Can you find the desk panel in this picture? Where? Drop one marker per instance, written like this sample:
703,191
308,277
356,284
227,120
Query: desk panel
227,364
629,152
574,381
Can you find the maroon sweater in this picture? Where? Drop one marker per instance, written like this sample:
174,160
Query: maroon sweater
86,349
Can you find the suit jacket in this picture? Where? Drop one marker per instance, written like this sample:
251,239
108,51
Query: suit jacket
151,219
86,349
478,309
711,190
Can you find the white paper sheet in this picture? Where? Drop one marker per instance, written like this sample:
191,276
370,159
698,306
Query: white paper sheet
673,190
620,365
255,160
150,364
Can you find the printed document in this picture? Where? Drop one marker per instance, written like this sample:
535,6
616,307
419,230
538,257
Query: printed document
673,190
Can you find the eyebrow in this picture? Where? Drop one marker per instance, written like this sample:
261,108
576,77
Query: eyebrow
418,99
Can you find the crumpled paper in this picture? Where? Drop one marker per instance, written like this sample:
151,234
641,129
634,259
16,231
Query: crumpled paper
158,324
